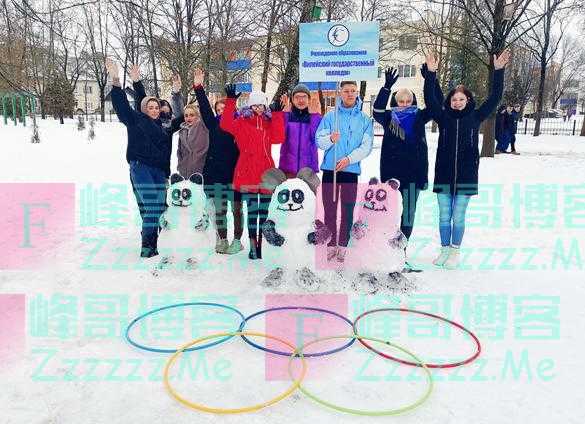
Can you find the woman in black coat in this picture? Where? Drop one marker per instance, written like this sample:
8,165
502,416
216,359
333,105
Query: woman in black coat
149,155
457,162
218,172
404,154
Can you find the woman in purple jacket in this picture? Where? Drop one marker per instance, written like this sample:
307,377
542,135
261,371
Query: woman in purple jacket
301,121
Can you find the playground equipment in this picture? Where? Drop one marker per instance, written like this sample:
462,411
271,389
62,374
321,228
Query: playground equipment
18,102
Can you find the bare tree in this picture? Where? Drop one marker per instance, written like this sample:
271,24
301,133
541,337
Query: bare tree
544,45
571,60
95,28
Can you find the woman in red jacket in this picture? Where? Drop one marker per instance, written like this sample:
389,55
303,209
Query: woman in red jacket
255,130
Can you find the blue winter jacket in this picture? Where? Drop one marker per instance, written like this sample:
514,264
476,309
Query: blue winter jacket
357,135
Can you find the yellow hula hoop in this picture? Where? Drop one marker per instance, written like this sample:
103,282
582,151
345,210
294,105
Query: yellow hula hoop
203,408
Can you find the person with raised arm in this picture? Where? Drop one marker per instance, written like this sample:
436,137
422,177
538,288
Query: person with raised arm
457,160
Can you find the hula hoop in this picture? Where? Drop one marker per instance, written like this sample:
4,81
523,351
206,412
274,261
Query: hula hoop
177,305
402,361
199,407
396,411
305,308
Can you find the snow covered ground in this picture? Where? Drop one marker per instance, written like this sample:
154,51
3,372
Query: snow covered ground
63,358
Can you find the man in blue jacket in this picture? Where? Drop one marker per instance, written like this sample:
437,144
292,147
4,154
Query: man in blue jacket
345,145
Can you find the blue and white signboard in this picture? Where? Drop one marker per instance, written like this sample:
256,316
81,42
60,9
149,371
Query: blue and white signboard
335,51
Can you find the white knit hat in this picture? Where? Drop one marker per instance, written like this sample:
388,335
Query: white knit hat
257,98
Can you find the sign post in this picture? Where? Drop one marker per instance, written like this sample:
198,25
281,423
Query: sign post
338,51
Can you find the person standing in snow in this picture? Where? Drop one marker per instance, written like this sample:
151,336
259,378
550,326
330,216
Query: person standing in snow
349,142
299,149
218,171
148,154
514,118
404,155
255,131
457,162
502,130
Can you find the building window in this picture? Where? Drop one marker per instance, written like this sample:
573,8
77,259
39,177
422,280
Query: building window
407,42
88,89
406,71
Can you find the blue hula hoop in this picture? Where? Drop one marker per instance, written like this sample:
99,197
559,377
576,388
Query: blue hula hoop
180,305
288,354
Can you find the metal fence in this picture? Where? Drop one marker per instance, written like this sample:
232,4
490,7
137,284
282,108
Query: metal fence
550,126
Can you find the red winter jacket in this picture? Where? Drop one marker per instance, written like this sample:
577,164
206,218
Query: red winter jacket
254,137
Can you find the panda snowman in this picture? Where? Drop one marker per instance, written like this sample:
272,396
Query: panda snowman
291,230
186,236
377,246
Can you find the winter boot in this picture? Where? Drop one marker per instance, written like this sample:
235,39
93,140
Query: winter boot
221,246
498,152
253,253
331,253
235,247
440,260
341,254
452,261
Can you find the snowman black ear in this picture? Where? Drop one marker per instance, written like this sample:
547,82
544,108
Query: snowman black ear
272,178
394,183
196,178
373,181
176,178
308,175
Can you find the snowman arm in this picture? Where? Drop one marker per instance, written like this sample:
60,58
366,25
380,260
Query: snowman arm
399,241
162,221
359,229
321,235
270,234
203,223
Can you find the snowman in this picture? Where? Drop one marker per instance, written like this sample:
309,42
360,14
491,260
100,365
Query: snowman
186,236
377,246
291,230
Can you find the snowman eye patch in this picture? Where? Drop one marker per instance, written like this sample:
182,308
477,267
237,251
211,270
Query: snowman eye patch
283,196
369,194
186,194
381,195
176,194
298,196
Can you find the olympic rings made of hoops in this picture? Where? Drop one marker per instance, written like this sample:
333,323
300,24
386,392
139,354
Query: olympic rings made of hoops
397,411
179,305
199,407
305,308
402,361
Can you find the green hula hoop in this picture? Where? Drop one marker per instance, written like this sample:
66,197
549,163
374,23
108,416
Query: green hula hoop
397,411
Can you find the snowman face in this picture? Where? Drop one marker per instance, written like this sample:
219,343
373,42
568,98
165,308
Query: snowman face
180,194
290,199
375,199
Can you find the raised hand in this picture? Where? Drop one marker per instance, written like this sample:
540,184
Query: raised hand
432,63
502,60
112,68
230,91
315,104
285,101
391,75
177,84
135,73
198,77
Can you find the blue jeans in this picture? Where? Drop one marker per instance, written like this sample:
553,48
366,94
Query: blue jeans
149,185
452,217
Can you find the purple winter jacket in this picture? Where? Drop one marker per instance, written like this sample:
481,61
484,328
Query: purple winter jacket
299,148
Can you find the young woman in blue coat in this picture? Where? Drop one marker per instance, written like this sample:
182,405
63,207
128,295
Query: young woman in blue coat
457,162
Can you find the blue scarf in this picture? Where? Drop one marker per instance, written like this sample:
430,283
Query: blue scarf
402,124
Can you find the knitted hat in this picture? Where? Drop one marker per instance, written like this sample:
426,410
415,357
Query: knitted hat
145,102
301,88
257,98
